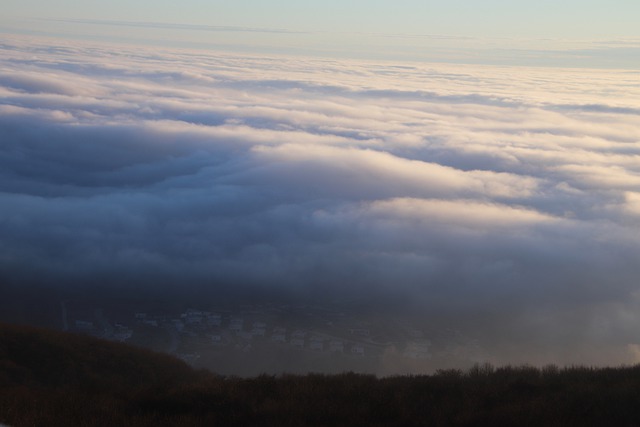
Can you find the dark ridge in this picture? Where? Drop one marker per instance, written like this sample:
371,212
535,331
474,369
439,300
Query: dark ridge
52,378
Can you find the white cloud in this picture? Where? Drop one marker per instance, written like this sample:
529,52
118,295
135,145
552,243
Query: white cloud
466,186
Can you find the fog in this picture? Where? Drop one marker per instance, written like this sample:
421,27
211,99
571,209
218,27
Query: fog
501,201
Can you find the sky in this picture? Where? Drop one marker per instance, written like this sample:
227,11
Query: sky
490,18
567,33
499,193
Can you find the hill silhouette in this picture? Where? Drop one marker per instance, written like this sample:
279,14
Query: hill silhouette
50,378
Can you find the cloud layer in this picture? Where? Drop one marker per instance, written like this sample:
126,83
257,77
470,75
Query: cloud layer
506,198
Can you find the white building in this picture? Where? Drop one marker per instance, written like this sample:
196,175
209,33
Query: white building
336,346
216,339
178,324
84,325
189,357
298,334
236,325
357,350
259,329
192,316
316,343
248,336
279,335
297,342
122,333
214,319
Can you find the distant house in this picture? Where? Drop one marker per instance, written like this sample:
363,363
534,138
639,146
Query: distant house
248,336
236,325
141,316
214,320
316,343
216,339
84,325
336,346
178,324
279,335
259,329
360,332
298,334
192,316
150,322
297,342
122,333
189,357
357,350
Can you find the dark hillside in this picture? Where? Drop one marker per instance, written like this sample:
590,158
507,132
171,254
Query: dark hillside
56,379
46,358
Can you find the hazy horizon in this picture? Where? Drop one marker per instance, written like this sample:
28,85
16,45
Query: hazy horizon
594,34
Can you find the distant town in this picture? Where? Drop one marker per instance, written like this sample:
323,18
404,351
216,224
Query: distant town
280,338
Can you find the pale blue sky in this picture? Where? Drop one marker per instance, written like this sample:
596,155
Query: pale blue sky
347,25
483,18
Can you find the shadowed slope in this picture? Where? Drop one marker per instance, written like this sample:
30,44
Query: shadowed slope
58,379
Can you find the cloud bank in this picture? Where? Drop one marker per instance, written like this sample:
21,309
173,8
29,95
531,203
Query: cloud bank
507,198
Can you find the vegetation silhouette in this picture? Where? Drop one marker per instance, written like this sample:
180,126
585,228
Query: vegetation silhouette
50,378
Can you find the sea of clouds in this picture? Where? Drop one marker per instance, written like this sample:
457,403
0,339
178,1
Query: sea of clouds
508,197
